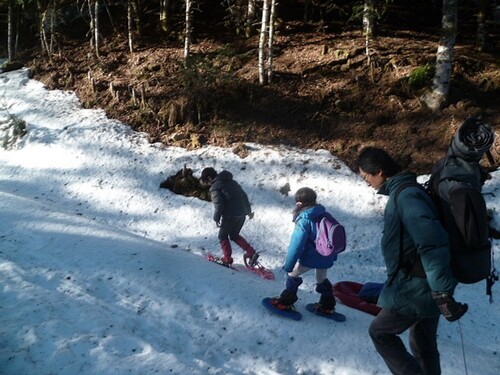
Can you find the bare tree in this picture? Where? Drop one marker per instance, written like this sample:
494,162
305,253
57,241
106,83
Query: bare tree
270,42
368,25
266,42
138,10
92,23
250,18
165,15
43,37
481,24
264,28
96,27
437,97
53,15
187,35
10,31
110,17
129,26
93,6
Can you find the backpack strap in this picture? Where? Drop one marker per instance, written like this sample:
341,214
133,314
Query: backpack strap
317,221
416,268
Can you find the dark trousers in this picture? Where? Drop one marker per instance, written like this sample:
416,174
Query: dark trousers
384,332
230,227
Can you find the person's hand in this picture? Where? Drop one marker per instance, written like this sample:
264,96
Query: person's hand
250,215
451,309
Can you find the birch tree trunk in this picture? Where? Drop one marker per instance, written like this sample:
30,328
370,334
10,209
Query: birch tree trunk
129,26
18,27
481,25
42,14
368,20
250,17
138,15
47,18
10,31
187,36
96,27
262,42
52,11
437,98
92,23
270,42
164,15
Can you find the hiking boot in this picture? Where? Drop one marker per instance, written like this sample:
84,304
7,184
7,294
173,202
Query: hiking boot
279,304
227,260
288,297
251,260
327,300
320,308
227,251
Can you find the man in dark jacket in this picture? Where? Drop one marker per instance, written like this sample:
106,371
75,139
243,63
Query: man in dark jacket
420,285
231,207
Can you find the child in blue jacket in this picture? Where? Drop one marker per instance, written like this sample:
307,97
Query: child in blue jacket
302,255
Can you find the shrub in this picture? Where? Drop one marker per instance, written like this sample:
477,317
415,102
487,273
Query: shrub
421,76
12,130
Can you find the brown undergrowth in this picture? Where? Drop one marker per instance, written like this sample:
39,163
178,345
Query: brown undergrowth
323,94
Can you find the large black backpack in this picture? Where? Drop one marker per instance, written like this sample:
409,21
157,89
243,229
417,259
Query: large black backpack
455,188
463,214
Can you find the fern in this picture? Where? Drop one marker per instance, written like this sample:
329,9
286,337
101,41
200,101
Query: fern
12,130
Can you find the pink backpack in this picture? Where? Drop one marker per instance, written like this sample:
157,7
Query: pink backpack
330,238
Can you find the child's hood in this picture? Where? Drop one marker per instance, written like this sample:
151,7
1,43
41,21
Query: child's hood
224,175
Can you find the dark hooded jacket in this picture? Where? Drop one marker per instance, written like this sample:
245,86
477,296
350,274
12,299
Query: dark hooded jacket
423,233
228,197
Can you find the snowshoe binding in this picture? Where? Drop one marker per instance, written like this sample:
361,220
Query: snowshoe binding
317,309
252,264
274,305
251,261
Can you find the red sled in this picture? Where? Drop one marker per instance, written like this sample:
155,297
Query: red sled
347,293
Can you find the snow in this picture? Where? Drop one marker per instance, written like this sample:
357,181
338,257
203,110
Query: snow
103,272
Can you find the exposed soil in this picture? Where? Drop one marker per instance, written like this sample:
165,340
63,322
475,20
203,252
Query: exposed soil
323,94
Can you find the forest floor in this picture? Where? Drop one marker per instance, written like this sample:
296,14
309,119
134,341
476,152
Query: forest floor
323,93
